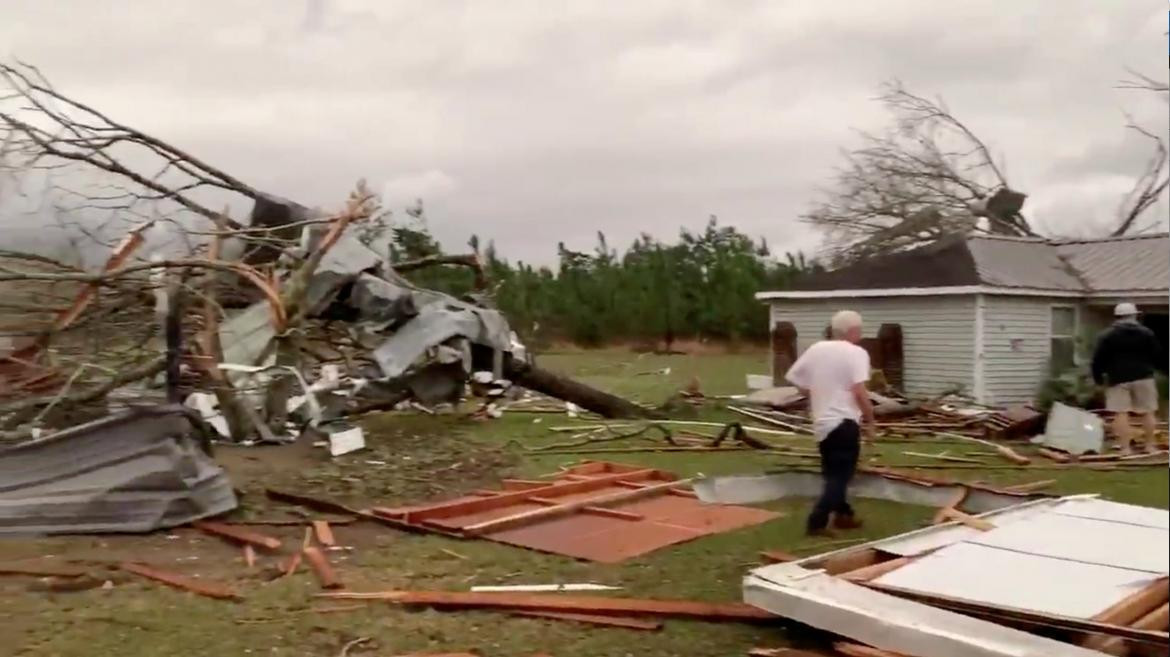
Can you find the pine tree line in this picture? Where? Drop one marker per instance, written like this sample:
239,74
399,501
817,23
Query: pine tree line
700,287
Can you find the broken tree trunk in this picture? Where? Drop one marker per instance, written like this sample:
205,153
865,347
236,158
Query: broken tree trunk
561,387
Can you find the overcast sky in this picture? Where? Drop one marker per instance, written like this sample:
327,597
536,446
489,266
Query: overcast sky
536,122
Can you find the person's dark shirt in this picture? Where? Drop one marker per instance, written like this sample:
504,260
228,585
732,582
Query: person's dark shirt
1126,352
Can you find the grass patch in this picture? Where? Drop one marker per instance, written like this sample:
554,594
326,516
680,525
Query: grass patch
423,457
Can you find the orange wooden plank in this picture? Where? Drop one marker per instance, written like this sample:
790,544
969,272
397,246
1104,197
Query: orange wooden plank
858,650
320,565
238,534
324,533
592,619
468,507
707,611
202,587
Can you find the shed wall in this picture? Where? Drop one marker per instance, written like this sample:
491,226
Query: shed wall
938,333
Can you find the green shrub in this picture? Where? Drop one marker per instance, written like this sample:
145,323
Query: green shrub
1073,387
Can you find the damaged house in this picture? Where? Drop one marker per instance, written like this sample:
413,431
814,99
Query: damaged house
989,315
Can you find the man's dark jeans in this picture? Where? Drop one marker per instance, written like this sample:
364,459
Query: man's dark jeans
839,453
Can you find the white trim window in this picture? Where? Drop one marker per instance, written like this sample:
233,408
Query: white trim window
1062,338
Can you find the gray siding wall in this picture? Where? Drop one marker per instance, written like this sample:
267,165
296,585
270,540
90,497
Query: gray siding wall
938,333
1016,346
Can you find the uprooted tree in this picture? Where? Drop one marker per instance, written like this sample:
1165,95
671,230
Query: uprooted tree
98,335
930,175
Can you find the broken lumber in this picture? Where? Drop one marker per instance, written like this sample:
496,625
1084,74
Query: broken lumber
237,534
1131,611
943,457
324,533
971,521
1053,455
783,652
1031,486
321,568
548,513
202,587
953,505
705,611
1157,621
1003,450
593,619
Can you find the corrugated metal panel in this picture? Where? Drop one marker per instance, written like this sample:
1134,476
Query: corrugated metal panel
1016,346
135,471
1126,264
938,333
1013,262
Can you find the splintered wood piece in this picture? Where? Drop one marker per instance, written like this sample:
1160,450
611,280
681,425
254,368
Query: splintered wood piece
966,519
238,534
294,562
593,619
1031,486
587,604
206,588
1053,455
249,555
320,565
324,533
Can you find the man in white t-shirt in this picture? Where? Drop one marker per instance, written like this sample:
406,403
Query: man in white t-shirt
833,374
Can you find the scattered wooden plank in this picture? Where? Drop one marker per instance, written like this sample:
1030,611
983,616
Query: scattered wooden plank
966,519
1031,486
324,533
238,534
944,457
202,587
294,562
952,505
706,611
249,556
593,619
539,515
1053,455
1157,620
320,565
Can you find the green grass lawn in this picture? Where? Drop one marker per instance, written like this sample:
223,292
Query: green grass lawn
137,618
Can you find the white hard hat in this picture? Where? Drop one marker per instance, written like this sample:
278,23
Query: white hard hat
1125,310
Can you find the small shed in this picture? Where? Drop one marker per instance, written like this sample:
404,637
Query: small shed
991,316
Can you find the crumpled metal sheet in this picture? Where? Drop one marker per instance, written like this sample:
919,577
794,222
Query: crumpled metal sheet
134,471
436,324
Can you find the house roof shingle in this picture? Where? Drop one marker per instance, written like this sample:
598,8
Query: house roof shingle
1128,264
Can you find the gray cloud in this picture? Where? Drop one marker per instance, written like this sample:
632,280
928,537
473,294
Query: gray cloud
532,122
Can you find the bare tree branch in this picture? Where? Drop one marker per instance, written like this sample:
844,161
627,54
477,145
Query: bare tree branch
928,176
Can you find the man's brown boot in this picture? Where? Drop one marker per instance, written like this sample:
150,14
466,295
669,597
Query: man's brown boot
846,522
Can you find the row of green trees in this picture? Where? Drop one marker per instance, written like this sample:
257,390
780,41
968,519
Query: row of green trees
700,286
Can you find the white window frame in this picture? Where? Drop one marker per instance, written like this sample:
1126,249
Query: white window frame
1076,328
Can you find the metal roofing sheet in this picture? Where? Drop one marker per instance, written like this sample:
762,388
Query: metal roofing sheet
1122,264
134,471
1005,578
1021,263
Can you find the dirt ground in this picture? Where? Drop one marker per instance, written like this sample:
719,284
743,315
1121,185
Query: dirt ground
412,458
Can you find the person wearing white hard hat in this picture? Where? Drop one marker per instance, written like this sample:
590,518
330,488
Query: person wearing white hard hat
1124,362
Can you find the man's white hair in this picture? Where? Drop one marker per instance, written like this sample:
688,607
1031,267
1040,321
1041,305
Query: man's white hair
843,321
